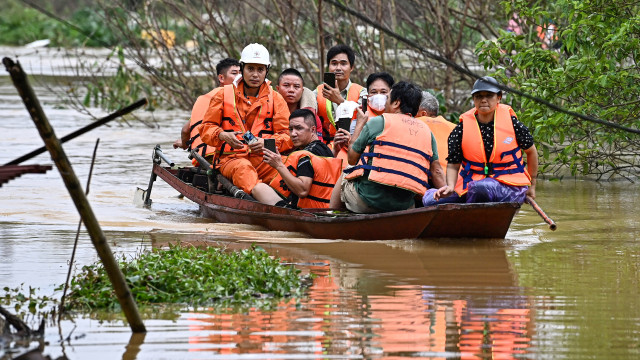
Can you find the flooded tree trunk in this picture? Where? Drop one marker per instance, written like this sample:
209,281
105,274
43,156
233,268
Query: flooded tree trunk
77,194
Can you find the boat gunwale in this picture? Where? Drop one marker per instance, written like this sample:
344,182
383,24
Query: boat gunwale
311,216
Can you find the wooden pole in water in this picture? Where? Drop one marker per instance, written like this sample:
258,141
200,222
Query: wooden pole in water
58,155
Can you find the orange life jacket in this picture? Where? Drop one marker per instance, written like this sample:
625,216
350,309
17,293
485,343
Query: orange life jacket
197,114
325,107
400,156
373,112
231,120
505,163
441,129
326,172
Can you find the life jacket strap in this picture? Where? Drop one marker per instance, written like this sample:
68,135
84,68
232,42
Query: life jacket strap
369,155
195,125
390,171
326,201
403,147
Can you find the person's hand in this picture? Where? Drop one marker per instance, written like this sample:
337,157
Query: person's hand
272,158
231,139
532,191
443,192
178,144
332,93
341,139
257,145
361,117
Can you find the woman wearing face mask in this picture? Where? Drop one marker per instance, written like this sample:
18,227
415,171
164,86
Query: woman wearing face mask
378,87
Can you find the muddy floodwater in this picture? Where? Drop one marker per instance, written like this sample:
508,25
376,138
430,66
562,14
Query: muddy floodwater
569,294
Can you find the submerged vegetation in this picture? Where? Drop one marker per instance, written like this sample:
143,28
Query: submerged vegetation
190,275
184,275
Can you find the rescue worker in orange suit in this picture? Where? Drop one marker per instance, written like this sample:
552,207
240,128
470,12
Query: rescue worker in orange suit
291,87
401,155
340,60
227,70
439,126
485,162
248,105
307,176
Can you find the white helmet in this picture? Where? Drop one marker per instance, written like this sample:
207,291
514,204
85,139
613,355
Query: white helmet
255,54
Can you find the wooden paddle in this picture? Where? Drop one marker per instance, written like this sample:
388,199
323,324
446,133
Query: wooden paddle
534,205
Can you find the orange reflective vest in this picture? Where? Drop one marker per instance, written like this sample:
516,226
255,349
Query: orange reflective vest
326,172
441,129
325,110
507,166
197,114
400,156
231,121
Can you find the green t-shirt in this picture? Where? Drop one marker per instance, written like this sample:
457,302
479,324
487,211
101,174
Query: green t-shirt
382,197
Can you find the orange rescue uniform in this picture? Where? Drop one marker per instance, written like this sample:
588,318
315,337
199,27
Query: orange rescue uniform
197,115
266,115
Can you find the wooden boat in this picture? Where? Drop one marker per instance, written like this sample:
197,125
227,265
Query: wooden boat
9,172
489,220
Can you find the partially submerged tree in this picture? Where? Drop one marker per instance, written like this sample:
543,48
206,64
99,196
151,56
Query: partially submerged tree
583,56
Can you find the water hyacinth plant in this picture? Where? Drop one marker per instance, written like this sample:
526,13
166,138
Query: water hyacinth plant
189,275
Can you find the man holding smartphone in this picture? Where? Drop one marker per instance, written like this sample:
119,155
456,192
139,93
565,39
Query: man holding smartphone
337,89
248,105
401,157
306,178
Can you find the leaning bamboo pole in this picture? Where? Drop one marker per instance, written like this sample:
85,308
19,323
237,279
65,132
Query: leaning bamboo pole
72,183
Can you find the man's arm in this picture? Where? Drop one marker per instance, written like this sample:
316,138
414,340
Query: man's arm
437,174
452,178
298,185
532,168
184,136
361,121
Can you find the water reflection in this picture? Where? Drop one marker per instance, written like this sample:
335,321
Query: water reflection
384,300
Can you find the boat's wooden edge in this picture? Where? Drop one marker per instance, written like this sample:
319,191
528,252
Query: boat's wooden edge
483,220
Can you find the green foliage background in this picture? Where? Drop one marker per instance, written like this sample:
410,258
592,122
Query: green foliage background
591,68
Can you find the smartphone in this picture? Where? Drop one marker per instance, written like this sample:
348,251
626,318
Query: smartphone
364,103
344,123
249,137
270,144
330,79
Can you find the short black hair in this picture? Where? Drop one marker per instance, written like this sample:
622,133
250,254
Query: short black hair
308,116
384,76
410,96
225,64
290,71
341,49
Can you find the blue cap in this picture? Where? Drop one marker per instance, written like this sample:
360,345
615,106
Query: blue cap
486,83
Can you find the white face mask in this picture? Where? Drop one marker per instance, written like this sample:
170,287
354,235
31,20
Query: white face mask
378,101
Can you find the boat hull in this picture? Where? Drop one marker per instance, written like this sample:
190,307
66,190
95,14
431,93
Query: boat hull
489,220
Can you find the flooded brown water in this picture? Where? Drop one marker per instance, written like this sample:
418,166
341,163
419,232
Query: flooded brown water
569,294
